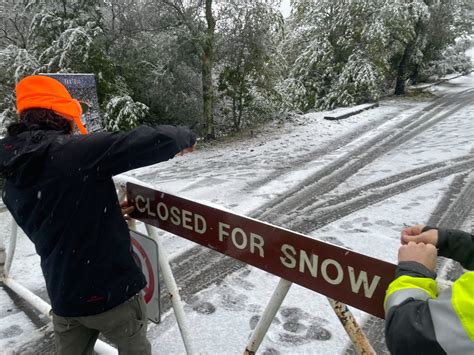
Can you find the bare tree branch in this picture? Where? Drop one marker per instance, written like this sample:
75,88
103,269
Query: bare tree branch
4,35
20,33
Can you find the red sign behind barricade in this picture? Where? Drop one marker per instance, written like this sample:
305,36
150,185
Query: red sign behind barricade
145,253
339,273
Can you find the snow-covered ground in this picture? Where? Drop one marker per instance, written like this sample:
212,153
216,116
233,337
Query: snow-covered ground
235,176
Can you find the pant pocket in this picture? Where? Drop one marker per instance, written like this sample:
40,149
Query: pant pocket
60,323
141,307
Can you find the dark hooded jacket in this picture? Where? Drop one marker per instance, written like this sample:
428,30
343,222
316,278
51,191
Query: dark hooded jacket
60,191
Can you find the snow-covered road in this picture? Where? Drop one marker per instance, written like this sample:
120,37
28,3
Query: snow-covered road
354,182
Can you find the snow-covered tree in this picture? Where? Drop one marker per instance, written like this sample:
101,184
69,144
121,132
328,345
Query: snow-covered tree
123,114
197,23
205,62
68,36
420,30
452,60
448,37
15,63
50,18
248,58
157,60
360,81
335,51
343,52
14,28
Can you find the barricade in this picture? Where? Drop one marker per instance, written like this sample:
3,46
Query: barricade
338,273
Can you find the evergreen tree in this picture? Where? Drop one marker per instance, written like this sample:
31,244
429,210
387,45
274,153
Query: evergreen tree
123,114
248,59
344,52
340,53
196,20
68,37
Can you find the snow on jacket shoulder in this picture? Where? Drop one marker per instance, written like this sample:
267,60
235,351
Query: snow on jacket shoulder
418,320
60,191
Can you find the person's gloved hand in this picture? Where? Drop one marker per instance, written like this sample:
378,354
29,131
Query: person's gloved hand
415,234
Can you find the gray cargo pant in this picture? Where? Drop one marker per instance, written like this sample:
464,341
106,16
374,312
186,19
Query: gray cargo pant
124,326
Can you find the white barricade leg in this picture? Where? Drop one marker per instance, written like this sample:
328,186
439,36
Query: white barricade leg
264,323
35,301
357,336
173,290
11,248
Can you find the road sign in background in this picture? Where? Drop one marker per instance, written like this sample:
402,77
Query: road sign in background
146,255
82,87
336,272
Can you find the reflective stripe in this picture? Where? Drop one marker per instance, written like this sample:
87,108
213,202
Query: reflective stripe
420,288
402,295
449,331
463,302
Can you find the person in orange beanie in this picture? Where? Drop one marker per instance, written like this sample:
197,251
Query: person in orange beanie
59,189
39,91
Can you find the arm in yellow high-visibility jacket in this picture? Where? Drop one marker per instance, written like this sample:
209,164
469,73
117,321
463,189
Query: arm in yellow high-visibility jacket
418,320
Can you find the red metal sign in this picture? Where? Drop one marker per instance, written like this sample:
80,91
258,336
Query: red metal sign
145,253
336,272
148,270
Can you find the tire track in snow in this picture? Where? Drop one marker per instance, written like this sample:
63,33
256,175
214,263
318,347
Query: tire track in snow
368,195
199,267
331,176
339,143
290,166
453,209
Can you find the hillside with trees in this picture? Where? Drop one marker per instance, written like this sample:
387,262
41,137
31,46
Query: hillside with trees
223,66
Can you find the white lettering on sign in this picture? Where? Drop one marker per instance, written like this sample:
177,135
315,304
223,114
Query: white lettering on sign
256,241
200,225
191,221
175,216
308,263
162,210
187,220
362,279
312,264
146,207
240,239
289,261
324,271
238,233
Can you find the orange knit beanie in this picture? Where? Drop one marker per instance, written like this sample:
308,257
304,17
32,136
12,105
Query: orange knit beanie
39,91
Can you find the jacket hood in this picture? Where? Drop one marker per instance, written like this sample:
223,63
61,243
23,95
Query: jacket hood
22,156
